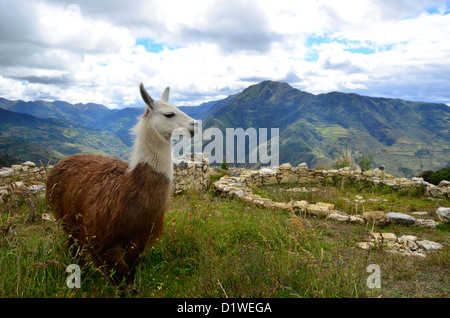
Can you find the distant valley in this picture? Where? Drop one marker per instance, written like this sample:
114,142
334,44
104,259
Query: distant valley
406,137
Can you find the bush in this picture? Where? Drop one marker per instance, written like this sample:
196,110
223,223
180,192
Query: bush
224,165
365,162
346,160
435,177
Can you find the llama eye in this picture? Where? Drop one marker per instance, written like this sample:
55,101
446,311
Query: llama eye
169,115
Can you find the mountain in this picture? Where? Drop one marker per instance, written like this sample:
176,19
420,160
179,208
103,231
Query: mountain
405,137
201,111
120,123
78,113
49,139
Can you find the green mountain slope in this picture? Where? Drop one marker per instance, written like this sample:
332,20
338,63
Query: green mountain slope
75,113
53,139
406,137
120,123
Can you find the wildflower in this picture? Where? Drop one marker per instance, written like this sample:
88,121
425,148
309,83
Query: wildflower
173,221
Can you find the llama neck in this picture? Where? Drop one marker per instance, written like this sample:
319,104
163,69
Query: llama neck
153,150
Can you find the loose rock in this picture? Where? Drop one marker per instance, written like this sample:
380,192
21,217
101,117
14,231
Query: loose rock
377,217
443,214
401,218
429,245
426,223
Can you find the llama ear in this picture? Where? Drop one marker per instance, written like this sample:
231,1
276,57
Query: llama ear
165,95
146,97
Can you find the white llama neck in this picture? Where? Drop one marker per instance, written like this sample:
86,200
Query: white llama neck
152,149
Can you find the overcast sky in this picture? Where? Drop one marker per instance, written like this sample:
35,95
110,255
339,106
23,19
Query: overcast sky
99,51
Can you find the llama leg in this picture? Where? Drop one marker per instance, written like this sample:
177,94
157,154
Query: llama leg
132,258
113,264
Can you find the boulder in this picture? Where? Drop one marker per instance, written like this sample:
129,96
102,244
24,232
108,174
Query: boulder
426,223
444,183
337,217
435,191
299,205
29,164
356,219
18,185
384,237
401,218
409,242
377,217
429,245
285,166
365,245
443,214
319,209
240,193
6,172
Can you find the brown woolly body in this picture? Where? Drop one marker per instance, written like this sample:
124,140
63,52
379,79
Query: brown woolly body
114,209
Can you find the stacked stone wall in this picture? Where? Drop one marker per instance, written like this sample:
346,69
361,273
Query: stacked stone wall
191,173
302,175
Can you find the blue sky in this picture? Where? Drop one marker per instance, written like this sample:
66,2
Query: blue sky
150,45
99,51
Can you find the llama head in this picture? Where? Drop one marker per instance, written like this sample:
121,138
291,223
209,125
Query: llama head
163,118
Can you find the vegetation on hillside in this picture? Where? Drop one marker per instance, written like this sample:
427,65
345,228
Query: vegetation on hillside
7,161
405,137
435,177
28,137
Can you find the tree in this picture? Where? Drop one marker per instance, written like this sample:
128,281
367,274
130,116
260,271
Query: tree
365,162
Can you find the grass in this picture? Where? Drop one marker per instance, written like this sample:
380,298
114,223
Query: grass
218,247
375,198
345,160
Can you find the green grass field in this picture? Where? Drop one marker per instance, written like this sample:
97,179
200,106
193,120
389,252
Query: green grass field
217,247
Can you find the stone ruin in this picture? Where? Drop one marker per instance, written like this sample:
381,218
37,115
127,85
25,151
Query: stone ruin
191,173
241,187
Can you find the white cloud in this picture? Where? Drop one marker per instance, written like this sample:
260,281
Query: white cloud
88,52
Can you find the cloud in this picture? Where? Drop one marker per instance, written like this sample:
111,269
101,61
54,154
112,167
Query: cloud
99,51
47,80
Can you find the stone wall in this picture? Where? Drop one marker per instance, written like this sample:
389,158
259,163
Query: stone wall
26,173
302,175
191,173
241,187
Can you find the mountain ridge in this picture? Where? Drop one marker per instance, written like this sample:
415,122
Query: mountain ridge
407,137
410,136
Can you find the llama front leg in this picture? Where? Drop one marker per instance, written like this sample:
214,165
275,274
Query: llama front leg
114,266
132,258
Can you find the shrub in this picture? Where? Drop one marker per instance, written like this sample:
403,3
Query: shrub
346,160
435,177
365,162
224,165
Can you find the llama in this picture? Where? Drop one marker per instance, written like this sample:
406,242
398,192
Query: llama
118,208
